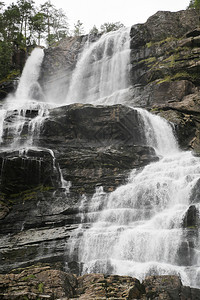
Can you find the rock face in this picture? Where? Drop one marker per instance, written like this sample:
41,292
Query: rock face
46,283
57,66
82,147
23,170
93,146
165,68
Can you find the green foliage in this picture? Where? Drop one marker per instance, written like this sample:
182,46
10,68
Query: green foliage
37,25
194,4
5,58
107,27
22,24
78,29
55,22
94,31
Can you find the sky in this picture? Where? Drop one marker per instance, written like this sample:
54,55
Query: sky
97,12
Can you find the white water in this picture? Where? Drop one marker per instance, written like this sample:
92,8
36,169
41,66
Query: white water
21,104
17,106
137,229
101,74
28,85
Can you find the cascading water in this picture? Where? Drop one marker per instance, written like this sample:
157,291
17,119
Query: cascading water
137,229
28,86
101,74
17,107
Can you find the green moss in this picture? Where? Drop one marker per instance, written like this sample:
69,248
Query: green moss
26,278
40,287
150,44
156,109
192,227
160,43
165,79
180,76
149,60
171,60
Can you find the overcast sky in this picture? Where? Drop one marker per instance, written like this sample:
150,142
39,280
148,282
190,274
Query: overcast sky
97,12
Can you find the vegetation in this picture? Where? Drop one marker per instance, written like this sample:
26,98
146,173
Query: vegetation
194,4
106,27
23,25
78,29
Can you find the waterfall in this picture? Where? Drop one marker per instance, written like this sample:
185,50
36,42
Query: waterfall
22,114
28,86
102,71
17,108
136,230
159,133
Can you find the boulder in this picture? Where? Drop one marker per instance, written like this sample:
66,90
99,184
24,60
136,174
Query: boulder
44,282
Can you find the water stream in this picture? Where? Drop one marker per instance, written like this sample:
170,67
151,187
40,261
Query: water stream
138,229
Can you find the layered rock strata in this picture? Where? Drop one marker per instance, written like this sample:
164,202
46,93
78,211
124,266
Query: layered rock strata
80,146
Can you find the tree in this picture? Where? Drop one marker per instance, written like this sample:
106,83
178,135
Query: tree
26,8
60,25
194,4
21,24
78,29
37,25
107,27
11,22
94,31
56,22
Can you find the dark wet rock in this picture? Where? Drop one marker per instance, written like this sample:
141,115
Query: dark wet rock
93,147
191,218
195,193
80,125
96,145
26,169
90,167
